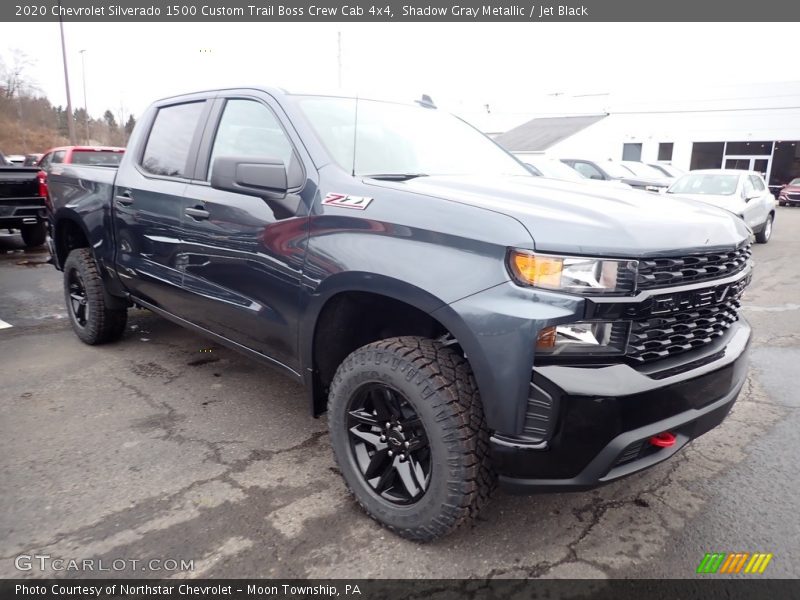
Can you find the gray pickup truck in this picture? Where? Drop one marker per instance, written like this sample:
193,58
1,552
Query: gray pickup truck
462,322
22,202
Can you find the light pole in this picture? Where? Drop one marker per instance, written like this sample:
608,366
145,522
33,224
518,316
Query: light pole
85,107
70,124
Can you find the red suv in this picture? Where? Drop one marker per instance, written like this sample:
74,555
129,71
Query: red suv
790,193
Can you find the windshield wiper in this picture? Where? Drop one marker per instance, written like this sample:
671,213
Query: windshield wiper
395,176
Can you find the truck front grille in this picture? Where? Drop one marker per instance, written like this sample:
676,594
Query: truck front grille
661,336
667,272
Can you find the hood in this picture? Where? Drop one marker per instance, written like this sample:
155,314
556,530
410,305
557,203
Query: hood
580,219
645,181
790,189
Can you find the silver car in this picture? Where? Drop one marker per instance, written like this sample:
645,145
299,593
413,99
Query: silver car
741,192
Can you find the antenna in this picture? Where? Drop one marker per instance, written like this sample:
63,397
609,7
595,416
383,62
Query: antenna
355,136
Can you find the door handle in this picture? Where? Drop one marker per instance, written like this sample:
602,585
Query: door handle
197,213
125,198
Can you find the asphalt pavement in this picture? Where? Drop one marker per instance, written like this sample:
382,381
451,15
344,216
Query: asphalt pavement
167,447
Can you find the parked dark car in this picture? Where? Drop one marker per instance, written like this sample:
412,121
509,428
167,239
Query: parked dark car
462,322
790,193
31,160
609,170
22,202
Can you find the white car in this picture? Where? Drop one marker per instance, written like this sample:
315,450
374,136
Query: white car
552,168
741,192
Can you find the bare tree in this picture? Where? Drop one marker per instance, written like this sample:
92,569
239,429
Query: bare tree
15,78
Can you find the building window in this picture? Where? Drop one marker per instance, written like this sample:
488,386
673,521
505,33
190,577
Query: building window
632,152
665,151
748,148
707,155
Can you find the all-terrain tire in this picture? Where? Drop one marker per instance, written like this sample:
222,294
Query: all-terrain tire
92,320
438,384
34,235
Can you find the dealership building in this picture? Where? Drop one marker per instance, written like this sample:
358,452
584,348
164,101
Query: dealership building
755,127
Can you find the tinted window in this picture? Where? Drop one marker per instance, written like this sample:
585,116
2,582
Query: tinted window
91,157
168,145
58,157
250,129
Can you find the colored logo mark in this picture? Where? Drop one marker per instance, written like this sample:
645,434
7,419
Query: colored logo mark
735,562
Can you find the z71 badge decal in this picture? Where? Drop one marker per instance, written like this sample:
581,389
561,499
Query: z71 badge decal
344,201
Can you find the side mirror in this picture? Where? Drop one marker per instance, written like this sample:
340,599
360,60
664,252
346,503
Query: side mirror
263,177
751,196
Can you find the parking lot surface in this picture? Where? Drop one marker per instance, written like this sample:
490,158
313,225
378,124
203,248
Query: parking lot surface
167,446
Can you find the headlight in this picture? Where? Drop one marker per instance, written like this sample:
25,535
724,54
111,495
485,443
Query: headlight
577,275
586,338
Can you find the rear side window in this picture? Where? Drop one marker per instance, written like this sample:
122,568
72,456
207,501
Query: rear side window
58,157
105,158
171,136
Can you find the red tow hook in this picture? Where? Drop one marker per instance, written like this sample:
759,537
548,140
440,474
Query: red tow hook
663,440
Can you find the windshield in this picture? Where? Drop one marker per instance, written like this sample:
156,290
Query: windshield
710,184
109,158
555,169
643,170
795,181
397,139
669,170
615,169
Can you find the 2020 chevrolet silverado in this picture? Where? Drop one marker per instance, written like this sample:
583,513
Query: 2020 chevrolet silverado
462,322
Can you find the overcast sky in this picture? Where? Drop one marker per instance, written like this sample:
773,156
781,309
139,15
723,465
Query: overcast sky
462,66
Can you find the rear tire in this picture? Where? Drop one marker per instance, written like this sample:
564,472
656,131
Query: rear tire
92,320
409,436
762,237
34,235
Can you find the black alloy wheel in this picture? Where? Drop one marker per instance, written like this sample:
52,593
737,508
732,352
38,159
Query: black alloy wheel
78,300
389,444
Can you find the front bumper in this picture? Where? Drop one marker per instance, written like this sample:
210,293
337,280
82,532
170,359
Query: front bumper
602,418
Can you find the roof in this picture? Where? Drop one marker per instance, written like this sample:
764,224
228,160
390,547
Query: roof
539,134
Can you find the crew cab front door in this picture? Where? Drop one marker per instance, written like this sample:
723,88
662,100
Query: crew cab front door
242,260
758,201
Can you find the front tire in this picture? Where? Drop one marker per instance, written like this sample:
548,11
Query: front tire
92,320
409,436
34,235
762,237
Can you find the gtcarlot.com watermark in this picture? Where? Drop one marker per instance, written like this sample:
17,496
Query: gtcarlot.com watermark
47,563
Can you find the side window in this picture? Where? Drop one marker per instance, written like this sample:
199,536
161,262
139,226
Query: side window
167,148
45,162
758,184
58,157
588,170
747,187
250,129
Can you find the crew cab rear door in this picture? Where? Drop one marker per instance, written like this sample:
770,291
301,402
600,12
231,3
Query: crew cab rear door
148,202
242,256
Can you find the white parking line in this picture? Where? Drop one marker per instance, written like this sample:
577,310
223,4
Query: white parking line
4,325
